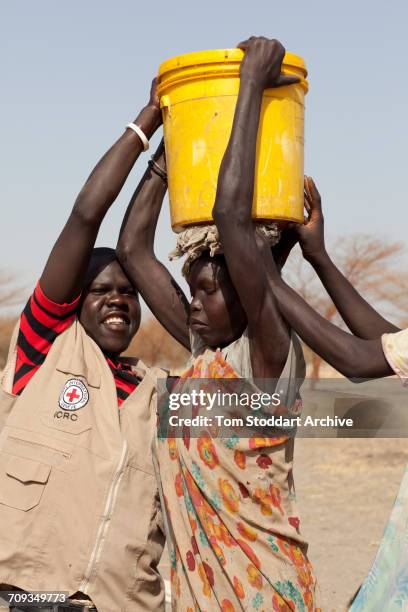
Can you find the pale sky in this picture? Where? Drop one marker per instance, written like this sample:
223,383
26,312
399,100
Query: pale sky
74,73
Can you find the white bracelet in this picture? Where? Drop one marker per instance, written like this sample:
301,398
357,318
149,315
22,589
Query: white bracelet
140,133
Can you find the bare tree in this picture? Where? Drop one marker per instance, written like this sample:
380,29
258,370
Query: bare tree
370,264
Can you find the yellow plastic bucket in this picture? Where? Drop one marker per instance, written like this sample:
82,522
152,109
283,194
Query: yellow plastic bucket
198,94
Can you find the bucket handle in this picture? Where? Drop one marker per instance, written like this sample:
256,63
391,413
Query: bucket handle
165,103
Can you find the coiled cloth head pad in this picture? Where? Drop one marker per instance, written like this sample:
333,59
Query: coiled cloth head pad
198,239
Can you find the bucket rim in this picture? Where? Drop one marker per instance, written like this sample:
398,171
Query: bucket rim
221,56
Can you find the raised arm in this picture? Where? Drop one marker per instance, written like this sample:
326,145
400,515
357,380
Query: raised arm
260,68
64,272
135,251
359,316
352,356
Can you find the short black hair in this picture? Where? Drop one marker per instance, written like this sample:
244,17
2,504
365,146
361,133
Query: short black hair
218,263
100,258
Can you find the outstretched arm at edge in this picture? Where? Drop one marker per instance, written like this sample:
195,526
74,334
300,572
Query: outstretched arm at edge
352,356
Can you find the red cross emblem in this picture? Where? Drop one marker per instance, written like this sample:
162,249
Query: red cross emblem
74,395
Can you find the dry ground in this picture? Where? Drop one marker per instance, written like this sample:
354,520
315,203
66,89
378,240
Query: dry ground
346,489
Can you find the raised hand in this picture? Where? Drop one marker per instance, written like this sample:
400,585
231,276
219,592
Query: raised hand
263,62
154,101
311,233
152,113
359,316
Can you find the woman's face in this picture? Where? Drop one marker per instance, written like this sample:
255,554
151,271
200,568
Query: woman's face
110,310
216,313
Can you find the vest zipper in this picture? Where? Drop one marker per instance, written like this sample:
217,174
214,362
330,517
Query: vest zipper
103,526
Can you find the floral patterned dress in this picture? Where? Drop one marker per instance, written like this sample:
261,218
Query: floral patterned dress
385,588
231,516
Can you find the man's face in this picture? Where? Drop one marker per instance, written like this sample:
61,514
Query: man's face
110,310
216,313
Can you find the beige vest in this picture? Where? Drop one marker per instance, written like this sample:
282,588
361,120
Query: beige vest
79,508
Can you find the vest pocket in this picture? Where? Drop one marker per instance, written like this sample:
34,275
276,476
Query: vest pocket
22,482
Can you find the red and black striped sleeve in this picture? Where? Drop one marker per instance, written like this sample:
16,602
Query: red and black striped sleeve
42,320
125,380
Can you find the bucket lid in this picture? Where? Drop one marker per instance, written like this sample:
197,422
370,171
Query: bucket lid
222,56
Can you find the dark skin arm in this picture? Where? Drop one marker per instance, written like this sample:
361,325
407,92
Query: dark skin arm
70,256
269,337
135,251
359,316
352,356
